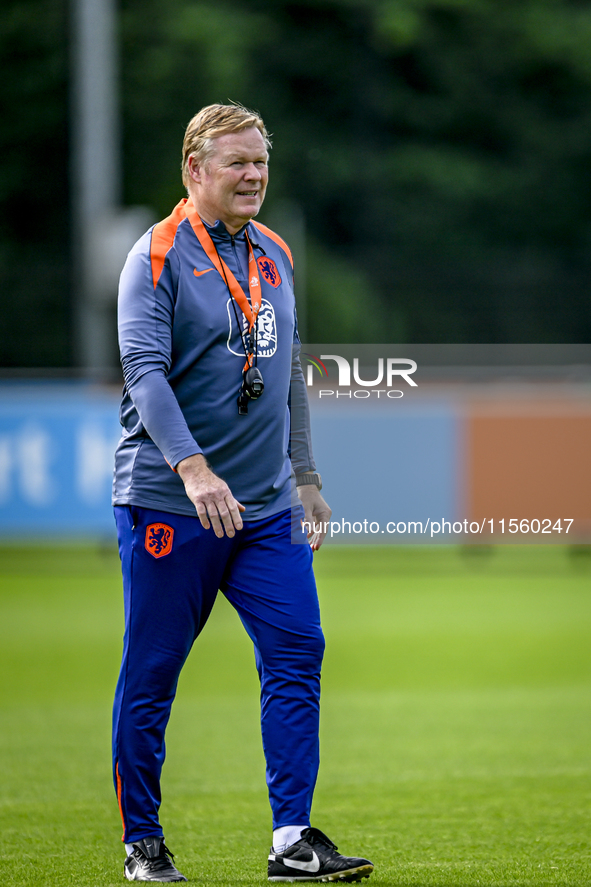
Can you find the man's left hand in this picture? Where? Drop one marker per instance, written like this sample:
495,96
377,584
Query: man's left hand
317,514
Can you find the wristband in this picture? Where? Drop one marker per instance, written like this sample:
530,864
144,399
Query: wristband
311,478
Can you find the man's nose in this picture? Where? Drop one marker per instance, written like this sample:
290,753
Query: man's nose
252,172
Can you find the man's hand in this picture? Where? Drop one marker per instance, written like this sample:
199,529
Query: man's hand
211,496
317,513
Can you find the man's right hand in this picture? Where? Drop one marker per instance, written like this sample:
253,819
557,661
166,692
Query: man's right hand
211,496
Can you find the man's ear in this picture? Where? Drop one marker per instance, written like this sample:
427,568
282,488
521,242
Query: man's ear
195,168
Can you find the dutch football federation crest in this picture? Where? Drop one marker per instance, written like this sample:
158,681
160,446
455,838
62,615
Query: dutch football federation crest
159,539
268,269
267,330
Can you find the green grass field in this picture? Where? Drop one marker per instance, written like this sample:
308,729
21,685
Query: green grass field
456,721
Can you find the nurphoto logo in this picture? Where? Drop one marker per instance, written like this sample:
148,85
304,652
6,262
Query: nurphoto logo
384,371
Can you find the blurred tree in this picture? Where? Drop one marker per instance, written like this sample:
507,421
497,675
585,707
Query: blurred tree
34,232
440,151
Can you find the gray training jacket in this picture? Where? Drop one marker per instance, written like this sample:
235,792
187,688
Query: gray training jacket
182,359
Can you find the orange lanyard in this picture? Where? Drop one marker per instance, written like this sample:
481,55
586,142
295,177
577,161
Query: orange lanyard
249,309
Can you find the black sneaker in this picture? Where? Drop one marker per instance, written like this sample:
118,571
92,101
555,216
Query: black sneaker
314,858
151,860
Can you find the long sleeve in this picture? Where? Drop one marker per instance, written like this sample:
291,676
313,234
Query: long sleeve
302,458
145,336
162,418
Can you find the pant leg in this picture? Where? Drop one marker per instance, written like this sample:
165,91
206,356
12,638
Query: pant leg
172,569
271,584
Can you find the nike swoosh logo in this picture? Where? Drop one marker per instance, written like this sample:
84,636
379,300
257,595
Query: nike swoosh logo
312,866
199,273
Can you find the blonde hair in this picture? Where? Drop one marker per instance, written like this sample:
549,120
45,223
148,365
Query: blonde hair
211,122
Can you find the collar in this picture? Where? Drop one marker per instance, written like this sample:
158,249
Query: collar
219,232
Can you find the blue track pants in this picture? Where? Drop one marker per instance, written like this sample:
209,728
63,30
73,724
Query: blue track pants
172,571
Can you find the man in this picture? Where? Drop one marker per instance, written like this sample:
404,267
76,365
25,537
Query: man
203,490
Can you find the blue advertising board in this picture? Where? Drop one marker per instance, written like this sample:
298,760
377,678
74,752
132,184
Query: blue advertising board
56,459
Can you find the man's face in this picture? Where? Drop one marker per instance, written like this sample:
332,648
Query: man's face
231,185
